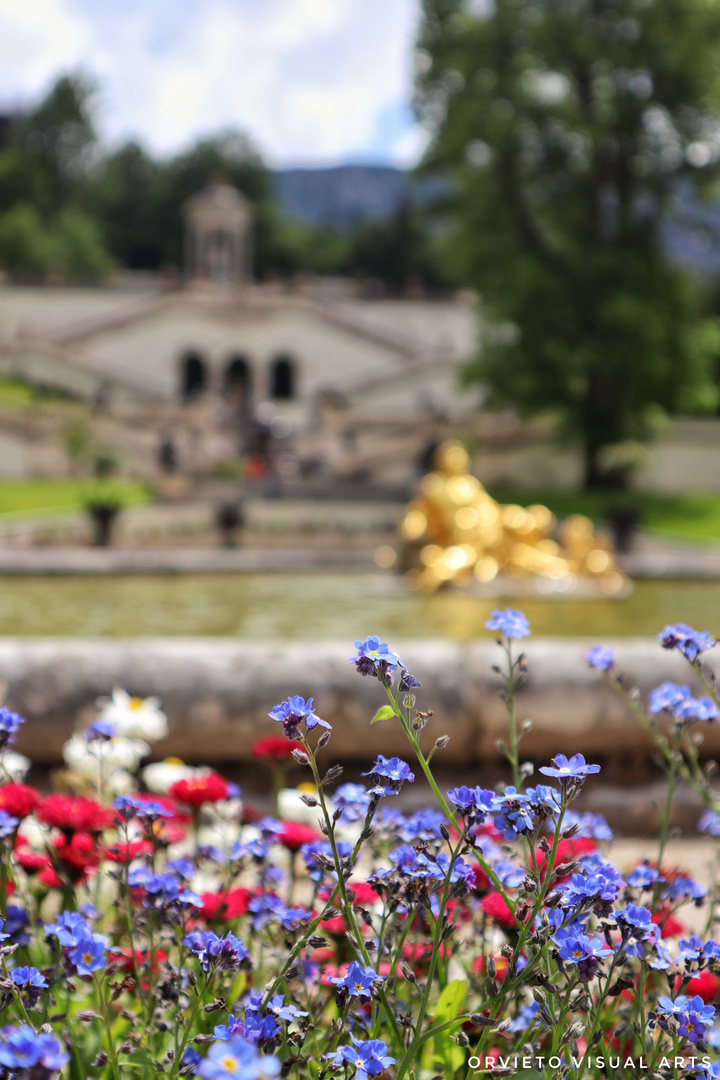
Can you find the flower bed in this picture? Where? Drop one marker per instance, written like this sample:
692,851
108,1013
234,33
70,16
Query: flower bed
155,925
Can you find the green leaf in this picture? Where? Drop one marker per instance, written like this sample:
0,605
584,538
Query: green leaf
139,1059
445,1052
383,713
451,1001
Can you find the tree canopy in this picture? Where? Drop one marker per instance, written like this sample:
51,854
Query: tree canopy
568,128
70,208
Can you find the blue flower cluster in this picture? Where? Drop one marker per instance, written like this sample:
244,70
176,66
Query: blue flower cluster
359,981
597,881
352,800
85,950
691,643
146,811
687,1018
600,658
166,890
374,657
370,1057
520,812
388,775
474,804
679,700
510,622
22,1051
212,951
293,713
9,725
582,951
237,1060
259,1025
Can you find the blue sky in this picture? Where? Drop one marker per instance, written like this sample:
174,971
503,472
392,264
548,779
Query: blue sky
312,81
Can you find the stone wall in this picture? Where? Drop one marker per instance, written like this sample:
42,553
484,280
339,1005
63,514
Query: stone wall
528,456
217,694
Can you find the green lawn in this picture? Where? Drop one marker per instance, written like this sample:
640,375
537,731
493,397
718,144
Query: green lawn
691,517
50,496
16,393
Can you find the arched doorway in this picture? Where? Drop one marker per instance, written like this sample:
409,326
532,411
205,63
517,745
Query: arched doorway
238,381
283,379
193,376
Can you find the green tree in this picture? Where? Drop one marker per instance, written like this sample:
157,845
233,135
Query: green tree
26,247
80,253
125,198
568,128
398,250
45,160
50,148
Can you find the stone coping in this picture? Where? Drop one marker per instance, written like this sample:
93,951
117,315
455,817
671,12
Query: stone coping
217,693
681,563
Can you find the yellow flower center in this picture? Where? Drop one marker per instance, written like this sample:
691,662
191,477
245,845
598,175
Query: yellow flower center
136,703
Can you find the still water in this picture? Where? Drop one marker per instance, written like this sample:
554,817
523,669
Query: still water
331,605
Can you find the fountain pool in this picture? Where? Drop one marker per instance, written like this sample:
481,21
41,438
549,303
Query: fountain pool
331,605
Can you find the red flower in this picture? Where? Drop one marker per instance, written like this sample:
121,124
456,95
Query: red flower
418,953
365,894
123,961
496,909
226,905
19,800
198,790
124,852
459,909
49,877
75,813
169,832
31,861
706,985
481,880
335,926
77,855
74,856
501,966
567,850
274,748
294,834
669,925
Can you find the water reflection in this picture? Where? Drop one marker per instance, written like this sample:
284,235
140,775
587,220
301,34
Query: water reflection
329,605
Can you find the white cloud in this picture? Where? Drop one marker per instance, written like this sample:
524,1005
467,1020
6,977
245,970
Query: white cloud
410,147
309,80
37,39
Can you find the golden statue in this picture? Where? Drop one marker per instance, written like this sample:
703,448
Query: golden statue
455,533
